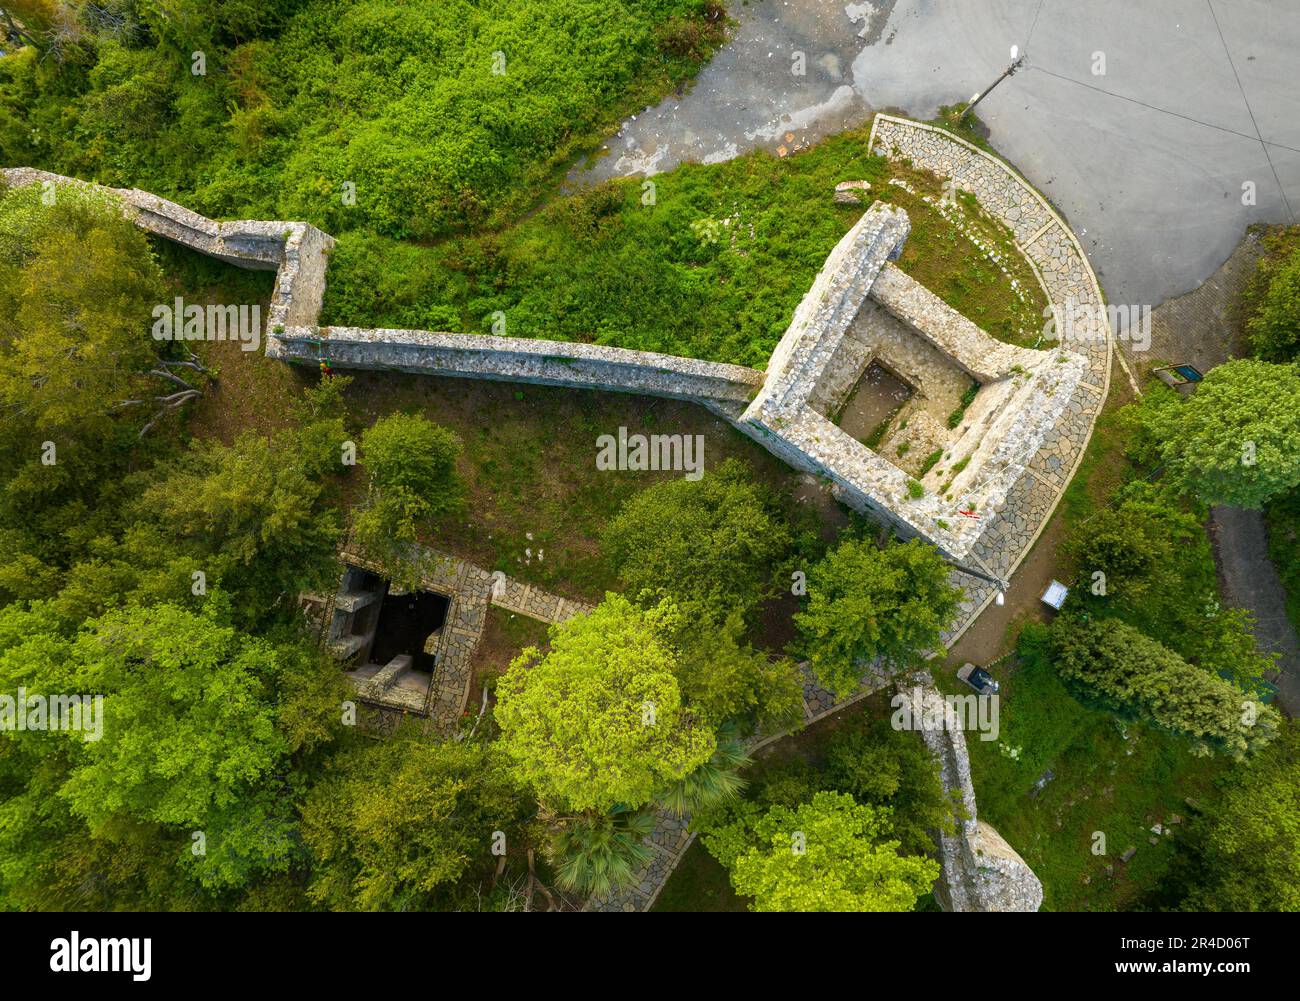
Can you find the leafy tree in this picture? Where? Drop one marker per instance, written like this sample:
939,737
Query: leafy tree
723,679
710,545
830,854
78,285
394,824
202,728
1158,574
1139,547
883,767
599,721
412,466
597,853
1113,664
1236,441
866,603
1246,855
189,718
252,513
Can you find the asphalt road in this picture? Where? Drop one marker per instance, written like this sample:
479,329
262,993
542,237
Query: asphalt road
1147,160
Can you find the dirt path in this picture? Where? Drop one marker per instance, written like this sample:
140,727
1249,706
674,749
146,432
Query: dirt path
1250,581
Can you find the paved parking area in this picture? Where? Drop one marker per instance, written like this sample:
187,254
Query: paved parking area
1147,160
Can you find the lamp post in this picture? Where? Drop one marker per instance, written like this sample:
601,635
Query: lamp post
1016,60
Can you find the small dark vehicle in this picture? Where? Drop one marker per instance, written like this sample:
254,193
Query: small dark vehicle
978,678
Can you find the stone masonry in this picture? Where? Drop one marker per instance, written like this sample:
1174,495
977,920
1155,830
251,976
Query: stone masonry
470,589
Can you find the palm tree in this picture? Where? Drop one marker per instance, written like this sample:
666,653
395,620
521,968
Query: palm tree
715,782
597,853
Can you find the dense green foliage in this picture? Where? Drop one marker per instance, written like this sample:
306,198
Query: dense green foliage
858,758
1272,307
866,603
104,521
397,824
599,721
830,854
1125,671
412,467
1157,573
441,114
1284,548
75,278
201,730
712,545
1246,856
1235,441
712,549
1272,298
725,679
892,769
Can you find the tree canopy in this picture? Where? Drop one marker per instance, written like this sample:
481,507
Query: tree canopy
599,721
412,466
393,824
865,602
712,545
1112,663
1236,440
830,854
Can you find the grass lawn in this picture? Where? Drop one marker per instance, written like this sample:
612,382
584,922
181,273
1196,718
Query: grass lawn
1119,779
712,267
700,884
1104,468
505,635
536,501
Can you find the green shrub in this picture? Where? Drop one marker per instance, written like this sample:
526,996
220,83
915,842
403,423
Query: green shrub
1124,671
1272,298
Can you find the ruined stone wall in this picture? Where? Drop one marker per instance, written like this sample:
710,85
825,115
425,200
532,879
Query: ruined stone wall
1037,467
1054,252
982,356
297,251
979,870
726,389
